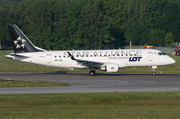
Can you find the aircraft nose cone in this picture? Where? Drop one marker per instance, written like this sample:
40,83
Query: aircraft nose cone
172,61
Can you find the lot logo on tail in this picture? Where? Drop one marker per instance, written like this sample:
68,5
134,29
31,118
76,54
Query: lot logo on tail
134,59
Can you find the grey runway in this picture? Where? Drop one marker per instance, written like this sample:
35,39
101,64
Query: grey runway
83,83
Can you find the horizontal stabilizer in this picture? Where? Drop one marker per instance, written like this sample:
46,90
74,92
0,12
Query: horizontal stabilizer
12,55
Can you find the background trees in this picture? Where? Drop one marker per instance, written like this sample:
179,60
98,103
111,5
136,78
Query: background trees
90,24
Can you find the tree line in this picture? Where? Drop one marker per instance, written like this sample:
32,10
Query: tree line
8,1
90,24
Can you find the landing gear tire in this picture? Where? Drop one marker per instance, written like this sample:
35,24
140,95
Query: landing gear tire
154,73
92,73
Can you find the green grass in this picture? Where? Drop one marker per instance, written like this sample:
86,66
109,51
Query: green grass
8,65
160,105
6,83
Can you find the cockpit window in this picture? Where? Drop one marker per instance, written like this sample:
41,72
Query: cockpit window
161,53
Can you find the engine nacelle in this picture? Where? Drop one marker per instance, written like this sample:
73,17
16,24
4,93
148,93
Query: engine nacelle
111,68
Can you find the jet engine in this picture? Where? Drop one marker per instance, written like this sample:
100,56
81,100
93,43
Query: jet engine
110,68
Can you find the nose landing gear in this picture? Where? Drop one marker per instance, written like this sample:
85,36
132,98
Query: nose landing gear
153,68
154,73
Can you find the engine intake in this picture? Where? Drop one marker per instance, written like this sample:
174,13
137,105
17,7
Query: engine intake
110,68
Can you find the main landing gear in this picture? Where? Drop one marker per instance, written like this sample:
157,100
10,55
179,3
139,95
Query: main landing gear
92,73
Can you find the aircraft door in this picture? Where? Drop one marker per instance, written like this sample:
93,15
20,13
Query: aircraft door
150,56
48,58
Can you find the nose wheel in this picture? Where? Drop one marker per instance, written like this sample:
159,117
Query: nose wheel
153,68
92,73
154,73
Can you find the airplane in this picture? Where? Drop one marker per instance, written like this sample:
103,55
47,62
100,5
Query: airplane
105,60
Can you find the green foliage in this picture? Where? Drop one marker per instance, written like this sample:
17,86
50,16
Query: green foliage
156,37
136,33
169,38
90,24
114,10
8,1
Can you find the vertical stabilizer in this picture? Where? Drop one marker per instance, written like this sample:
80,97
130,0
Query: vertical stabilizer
21,43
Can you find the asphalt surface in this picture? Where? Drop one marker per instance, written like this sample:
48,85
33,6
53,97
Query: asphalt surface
83,83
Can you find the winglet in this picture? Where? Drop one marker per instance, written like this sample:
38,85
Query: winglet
71,56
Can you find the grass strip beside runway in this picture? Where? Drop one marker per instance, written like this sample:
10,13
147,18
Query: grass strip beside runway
145,105
11,83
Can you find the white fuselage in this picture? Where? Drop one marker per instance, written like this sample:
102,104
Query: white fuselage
122,57
106,60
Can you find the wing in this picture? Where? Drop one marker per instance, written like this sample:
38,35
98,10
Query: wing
89,64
